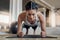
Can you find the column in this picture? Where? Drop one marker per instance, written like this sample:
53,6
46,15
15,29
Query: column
15,9
19,7
52,18
10,11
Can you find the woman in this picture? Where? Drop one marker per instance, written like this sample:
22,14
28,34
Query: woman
30,18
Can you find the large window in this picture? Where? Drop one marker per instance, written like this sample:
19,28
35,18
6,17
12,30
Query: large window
4,11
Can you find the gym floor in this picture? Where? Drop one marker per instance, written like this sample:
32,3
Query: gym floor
54,32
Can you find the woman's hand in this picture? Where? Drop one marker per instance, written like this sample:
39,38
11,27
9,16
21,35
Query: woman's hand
21,34
43,34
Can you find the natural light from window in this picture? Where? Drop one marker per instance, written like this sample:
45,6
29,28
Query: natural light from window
4,18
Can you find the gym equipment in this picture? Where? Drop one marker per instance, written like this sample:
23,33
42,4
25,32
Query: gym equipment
13,28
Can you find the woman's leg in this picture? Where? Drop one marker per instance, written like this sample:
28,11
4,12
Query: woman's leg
27,28
27,31
34,28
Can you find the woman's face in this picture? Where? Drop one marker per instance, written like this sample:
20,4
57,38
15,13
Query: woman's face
31,15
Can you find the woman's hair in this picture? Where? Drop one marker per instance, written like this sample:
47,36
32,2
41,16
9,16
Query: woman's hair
31,5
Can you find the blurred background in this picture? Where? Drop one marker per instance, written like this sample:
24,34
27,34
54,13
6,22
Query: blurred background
10,9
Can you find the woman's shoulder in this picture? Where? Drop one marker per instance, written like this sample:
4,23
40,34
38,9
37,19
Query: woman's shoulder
22,15
39,14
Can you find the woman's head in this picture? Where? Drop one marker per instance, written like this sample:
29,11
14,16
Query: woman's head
31,9
31,5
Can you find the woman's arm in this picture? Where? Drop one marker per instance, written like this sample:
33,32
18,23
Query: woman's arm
19,28
43,24
21,18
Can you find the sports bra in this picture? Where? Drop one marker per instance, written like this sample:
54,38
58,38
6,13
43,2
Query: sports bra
29,24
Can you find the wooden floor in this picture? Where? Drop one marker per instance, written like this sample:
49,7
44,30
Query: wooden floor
54,32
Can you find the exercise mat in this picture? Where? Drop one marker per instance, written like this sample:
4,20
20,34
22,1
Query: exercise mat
31,36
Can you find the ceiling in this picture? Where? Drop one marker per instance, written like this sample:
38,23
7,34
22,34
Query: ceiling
49,3
54,3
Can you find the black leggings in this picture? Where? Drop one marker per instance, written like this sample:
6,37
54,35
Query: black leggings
27,27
